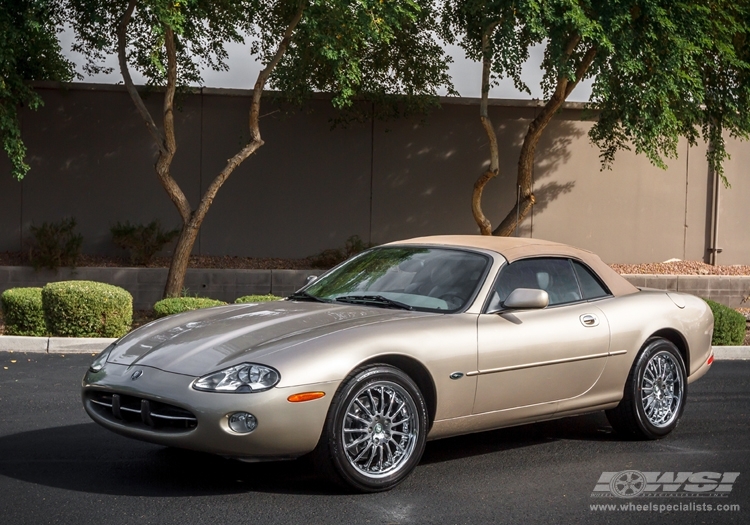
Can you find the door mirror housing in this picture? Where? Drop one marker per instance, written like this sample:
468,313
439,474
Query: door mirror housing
525,299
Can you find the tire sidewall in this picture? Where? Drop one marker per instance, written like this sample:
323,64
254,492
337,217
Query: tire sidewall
338,456
653,348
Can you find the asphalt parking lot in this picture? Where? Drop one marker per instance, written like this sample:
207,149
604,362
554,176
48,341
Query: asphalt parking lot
56,466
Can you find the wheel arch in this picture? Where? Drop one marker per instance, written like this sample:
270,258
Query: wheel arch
677,339
417,372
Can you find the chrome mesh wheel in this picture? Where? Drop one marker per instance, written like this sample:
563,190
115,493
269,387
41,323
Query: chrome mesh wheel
380,429
662,389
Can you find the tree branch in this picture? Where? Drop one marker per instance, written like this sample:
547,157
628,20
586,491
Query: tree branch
164,163
485,227
581,70
534,133
122,28
255,139
266,72
483,110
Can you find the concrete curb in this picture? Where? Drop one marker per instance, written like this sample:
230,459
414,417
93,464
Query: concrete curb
726,353
54,345
93,345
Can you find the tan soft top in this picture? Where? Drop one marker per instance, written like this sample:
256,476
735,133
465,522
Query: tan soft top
515,248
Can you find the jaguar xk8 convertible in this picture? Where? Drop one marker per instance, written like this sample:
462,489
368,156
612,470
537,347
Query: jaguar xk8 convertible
409,341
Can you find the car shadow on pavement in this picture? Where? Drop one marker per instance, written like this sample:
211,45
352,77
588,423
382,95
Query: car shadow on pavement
590,427
87,458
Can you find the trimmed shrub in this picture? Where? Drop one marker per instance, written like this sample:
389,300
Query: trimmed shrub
176,305
142,241
729,325
258,298
55,245
23,313
87,309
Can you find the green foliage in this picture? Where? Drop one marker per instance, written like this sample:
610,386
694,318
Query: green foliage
203,28
729,325
23,313
661,69
87,309
142,241
385,52
29,50
257,298
176,305
333,256
55,244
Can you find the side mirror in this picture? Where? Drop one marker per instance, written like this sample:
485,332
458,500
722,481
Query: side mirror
527,299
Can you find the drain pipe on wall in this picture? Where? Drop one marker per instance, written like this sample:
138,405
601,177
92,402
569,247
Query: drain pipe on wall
714,250
518,208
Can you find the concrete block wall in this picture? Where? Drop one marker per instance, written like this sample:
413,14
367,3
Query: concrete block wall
146,285
732,291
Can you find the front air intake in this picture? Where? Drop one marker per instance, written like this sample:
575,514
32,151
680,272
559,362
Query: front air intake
131,410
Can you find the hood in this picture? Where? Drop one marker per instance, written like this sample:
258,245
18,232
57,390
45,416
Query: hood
195,343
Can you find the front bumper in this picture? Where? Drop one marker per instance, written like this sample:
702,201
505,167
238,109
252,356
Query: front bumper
285,430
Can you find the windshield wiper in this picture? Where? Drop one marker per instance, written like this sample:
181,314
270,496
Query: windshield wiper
374,300
304,296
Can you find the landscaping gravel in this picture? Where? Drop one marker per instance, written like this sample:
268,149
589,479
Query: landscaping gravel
272,263
681,268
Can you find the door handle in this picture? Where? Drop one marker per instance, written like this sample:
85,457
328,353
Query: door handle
589,320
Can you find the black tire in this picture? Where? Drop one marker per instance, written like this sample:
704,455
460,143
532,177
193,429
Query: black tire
375,431
655,393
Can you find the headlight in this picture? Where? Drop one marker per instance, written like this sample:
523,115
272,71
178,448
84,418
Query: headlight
101,359
247,377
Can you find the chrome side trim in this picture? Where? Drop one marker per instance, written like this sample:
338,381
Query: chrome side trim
544,363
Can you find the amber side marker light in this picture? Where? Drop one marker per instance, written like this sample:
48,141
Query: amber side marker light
305,396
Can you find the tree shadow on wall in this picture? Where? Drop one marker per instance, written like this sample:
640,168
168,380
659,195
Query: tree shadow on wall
427,171
553,151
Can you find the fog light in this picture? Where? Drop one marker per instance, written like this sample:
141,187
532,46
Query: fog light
242,422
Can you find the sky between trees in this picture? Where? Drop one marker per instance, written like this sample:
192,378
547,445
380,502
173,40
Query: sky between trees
244,68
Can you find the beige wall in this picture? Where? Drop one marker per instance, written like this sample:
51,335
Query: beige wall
734,207
310,186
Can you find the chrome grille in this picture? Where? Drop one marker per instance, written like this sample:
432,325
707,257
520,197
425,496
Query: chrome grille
135,410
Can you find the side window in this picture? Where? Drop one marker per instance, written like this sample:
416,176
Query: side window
590,285
555,276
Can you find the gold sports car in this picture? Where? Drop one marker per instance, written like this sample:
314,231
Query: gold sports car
409,341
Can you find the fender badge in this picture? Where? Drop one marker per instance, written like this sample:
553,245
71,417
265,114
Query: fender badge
136,374
456,375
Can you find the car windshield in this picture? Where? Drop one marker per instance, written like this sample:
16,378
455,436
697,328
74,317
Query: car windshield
410,278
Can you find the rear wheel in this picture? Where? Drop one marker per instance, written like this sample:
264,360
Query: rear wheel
654,395
375,432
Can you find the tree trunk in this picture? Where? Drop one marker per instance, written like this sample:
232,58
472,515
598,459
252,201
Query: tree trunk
485,227
180,260
166,141
534,133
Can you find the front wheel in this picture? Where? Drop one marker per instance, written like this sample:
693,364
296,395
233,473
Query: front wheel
375,432
654,395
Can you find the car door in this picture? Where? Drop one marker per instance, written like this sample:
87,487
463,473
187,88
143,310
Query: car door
541,356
